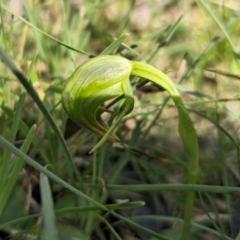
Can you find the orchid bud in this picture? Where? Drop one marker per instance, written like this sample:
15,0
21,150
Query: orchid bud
94,82
106,77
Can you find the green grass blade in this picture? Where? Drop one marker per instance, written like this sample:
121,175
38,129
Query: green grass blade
36,34
3,30
23,128
237,237
189,138
67,156
49,220
168,187
141,41
225,133
15,124
220,25
114,45
115,206
51,175
173,220
146,230
31,66
209,47
76,209
223,73
16,170
45,34
40,168
205,207
112,230
5,163
166,40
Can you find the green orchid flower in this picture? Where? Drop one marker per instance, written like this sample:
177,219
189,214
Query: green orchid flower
98,80
106,77
94,82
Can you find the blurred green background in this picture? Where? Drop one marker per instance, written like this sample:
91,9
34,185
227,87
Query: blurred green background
196,43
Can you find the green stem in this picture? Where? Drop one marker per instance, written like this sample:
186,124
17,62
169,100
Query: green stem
186,132
189,138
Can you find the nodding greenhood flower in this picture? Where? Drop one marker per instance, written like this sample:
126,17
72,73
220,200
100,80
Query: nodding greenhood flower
94,82
106,77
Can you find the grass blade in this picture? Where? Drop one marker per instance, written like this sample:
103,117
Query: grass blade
173,220
39,30
67,156
37,38
16,170
114,45
168,187
51,175
209,47
112,230
146,230
6,162
76,209
220,25
225,133
49,221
